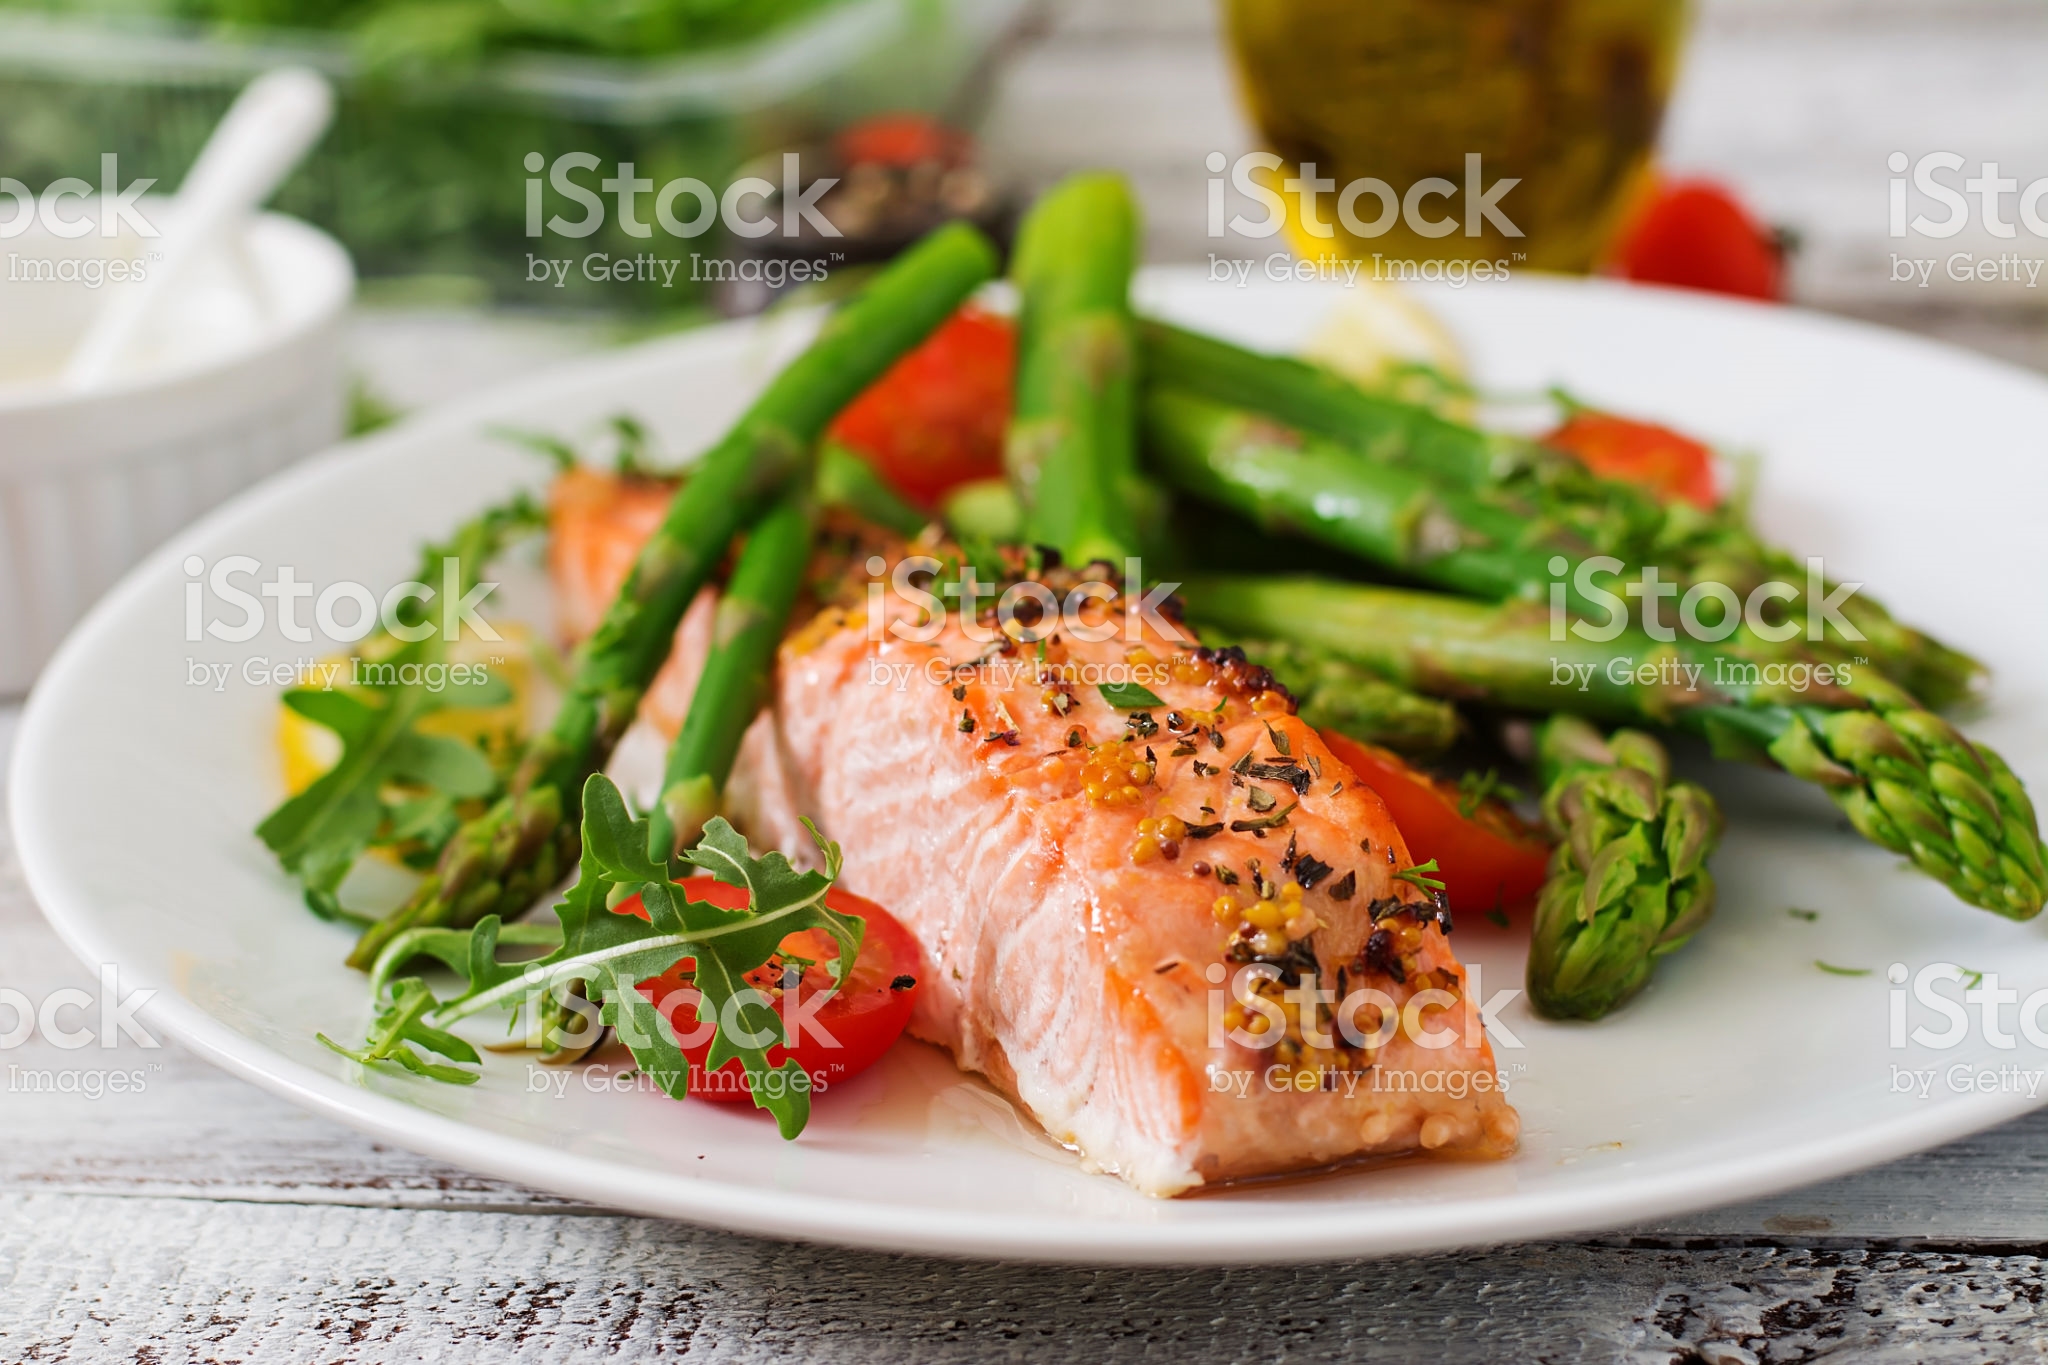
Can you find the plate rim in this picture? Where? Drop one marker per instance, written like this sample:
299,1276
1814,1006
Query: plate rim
1317,1233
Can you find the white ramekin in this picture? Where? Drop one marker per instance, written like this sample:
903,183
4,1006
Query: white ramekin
242,379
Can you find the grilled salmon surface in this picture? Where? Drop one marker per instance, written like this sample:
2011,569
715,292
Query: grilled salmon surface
1173,931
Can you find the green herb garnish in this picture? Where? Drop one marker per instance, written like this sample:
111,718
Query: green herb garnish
1128,696
1273,821
1418,875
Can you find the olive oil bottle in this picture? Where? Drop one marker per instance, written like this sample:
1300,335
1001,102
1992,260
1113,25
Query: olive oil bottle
1563,96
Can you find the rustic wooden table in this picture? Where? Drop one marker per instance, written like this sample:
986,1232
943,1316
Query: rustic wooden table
197,1218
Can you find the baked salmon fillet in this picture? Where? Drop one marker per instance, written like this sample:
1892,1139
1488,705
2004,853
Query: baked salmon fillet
1167,921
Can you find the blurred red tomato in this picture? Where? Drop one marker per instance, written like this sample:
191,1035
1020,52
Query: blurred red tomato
936,419
1696,235
899,140
1668,463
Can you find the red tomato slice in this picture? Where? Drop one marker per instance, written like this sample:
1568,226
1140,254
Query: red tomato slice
936,419
1668,463
842,1038
1696,235
1487,860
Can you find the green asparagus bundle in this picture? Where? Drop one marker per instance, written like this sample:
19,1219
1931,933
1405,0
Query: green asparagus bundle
1071,451
1628,880
1470,490
1906,779
498,863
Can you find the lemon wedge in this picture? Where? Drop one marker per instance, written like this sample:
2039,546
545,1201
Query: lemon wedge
1375,337
309,750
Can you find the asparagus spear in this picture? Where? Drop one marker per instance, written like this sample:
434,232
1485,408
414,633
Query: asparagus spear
1383,512
499,862
1071,450
1547,491
1628,880
1319,400
844,479
752,614
1906,779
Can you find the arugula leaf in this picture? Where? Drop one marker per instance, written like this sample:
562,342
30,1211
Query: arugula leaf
472,952
632,446
611,952
1128,696
393,784
403,1023
319,834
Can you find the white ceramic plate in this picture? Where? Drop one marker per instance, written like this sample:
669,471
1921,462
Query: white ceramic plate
1744,1069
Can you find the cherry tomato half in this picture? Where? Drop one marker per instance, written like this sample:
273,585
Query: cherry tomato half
936,419
1666,462
843,1037
1486,860
1696,235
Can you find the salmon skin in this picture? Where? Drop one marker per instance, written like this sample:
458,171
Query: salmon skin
1168,923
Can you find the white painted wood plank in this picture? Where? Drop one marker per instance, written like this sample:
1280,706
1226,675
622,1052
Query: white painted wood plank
105,1279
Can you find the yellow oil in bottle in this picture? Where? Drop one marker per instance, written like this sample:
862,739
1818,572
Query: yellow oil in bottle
1563,96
